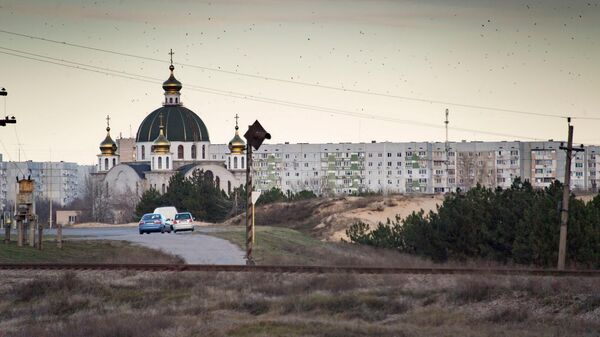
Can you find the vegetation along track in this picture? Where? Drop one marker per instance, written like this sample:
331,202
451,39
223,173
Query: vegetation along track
295,269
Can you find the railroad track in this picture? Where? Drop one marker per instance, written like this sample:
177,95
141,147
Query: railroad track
295,269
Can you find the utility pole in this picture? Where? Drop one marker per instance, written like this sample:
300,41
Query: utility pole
6,120
446,149
255,136
564,210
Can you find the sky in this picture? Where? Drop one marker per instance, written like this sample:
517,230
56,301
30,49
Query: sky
310,71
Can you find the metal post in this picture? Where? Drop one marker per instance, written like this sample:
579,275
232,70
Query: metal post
59,241
253,227
249,208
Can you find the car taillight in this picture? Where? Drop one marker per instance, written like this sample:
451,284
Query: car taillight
174,221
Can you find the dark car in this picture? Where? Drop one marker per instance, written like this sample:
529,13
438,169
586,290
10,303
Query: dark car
153,222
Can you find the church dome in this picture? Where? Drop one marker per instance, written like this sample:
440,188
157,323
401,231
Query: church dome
161,143
237,145
172,84
108,146
181,125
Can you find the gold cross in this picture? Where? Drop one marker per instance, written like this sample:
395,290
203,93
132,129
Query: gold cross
236,121
107,121
171,53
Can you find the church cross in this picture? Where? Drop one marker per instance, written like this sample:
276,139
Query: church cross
236,121
171,53
107,121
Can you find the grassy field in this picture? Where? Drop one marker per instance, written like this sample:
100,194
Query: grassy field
252,304
75,251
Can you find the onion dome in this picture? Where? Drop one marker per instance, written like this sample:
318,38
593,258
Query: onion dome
161,143
237,145
172,85
108,146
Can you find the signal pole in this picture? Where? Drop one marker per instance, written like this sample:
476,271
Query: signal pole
564,211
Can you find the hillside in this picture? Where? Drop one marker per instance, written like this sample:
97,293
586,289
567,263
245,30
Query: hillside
328,218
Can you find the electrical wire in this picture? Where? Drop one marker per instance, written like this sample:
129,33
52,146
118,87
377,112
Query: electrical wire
127,75
268,78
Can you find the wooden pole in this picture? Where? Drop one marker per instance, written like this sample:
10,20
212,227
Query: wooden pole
7,232
40,236
59,241
564,211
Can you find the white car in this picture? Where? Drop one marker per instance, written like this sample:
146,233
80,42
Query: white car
183,222
168,212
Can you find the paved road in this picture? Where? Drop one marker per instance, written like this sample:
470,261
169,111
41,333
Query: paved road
196,248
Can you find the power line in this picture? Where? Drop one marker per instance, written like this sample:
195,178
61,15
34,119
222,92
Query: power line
107,71
268,78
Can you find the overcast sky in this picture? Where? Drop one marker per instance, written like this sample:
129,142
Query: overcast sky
286,64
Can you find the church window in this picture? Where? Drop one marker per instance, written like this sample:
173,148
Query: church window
143,152
170,99
106,164
167,162
229,162
229,187
234,162
242,162
114,162
176,100
194,151
159,163
163,188
203,151
180,152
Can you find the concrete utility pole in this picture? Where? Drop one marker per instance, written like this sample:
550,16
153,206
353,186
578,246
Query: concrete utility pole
255,135
564,211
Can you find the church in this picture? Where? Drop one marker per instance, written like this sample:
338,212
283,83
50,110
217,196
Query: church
169,140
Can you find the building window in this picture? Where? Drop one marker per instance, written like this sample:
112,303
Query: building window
176,100
203,151
194,151
114,162
242,162
143,152
170,99
163,188
180,152
106,164
234,162
167,162
229,163
159,163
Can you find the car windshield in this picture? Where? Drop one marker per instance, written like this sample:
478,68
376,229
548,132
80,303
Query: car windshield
182,216
151,217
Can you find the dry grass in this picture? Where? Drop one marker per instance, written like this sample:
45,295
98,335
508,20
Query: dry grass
253,304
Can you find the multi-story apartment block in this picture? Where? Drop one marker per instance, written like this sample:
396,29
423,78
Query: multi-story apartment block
415,167
59,181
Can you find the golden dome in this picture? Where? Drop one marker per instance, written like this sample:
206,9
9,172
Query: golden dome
237,145
172,84
161,143
108,146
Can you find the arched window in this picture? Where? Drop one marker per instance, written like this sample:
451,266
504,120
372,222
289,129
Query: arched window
114,162
203,152
209,174
167,162
229,163
234,162
242,162
176,100
170,99
143,152
229,187
194,151
106,164
163,188
159,163
180,152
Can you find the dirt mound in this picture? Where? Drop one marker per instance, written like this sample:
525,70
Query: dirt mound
328,218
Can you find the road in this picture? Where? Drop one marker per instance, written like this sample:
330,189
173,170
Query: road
193,248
